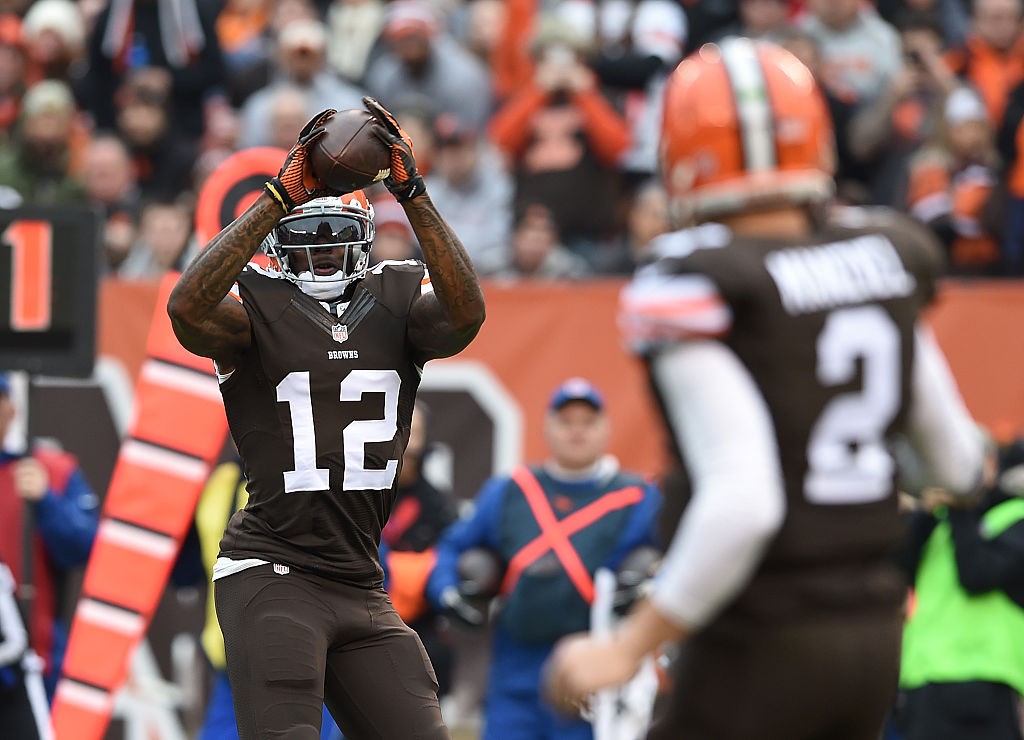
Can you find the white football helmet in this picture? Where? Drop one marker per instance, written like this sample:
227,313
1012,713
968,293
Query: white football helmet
324,224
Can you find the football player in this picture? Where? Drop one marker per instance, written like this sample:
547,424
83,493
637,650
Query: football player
785,344
319,358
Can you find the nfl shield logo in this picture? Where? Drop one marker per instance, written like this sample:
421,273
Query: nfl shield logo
339,332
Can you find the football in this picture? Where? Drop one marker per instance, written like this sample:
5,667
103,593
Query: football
349,156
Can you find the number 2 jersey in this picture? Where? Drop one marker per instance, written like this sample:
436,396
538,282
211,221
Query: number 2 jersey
320,407
825,328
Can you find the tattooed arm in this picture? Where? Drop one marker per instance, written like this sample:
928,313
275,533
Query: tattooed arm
443,322
205,320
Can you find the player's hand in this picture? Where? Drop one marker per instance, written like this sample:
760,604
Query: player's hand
581,665
457,608
31,480
296,184
404,182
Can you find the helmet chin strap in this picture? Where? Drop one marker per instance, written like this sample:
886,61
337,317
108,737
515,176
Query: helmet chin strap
322,290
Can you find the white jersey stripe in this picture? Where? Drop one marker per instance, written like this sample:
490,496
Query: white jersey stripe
673,307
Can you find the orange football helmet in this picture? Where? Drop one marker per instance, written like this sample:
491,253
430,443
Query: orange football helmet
744,125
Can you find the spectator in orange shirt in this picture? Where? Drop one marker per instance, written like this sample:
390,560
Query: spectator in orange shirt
883,135
992,59
953,185
564,140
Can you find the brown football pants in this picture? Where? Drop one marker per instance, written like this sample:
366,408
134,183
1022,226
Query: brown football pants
296,641
830,678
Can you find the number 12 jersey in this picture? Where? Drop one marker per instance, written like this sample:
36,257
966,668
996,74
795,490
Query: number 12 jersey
320,407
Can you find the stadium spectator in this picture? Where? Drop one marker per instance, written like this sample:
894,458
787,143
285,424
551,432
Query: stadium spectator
354,27
55,39
760,19
164,242
288,108
262,68
417,115
422,60
13,70
885,133
178,38
110,185
1010,140
482,27
992,57
393,238
468,182
564,140
162,155
223,127
954,186
849,175
41,164
109,177
648,218
244,34
301,61
860,51
632,54
962,672
552,525
48,509
707,20
536,249
950,15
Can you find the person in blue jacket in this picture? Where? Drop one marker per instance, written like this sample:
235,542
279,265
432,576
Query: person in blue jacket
47,492
552,525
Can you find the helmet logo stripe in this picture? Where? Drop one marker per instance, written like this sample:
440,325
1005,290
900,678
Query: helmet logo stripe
753,108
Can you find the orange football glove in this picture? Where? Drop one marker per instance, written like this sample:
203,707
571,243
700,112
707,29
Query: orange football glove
296,184
404,182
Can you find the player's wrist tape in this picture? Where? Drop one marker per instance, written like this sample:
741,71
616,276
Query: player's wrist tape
276,191
409,189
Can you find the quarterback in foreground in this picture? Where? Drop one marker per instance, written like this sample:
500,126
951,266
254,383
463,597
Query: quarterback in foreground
319,358
785,345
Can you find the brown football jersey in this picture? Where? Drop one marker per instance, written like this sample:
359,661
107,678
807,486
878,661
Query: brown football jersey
320,408
825,328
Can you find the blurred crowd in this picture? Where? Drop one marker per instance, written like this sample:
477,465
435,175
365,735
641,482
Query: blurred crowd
535,121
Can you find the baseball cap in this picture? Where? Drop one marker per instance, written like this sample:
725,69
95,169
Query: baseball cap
388,213
409,17
963,105
450,129
576,389
303,33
